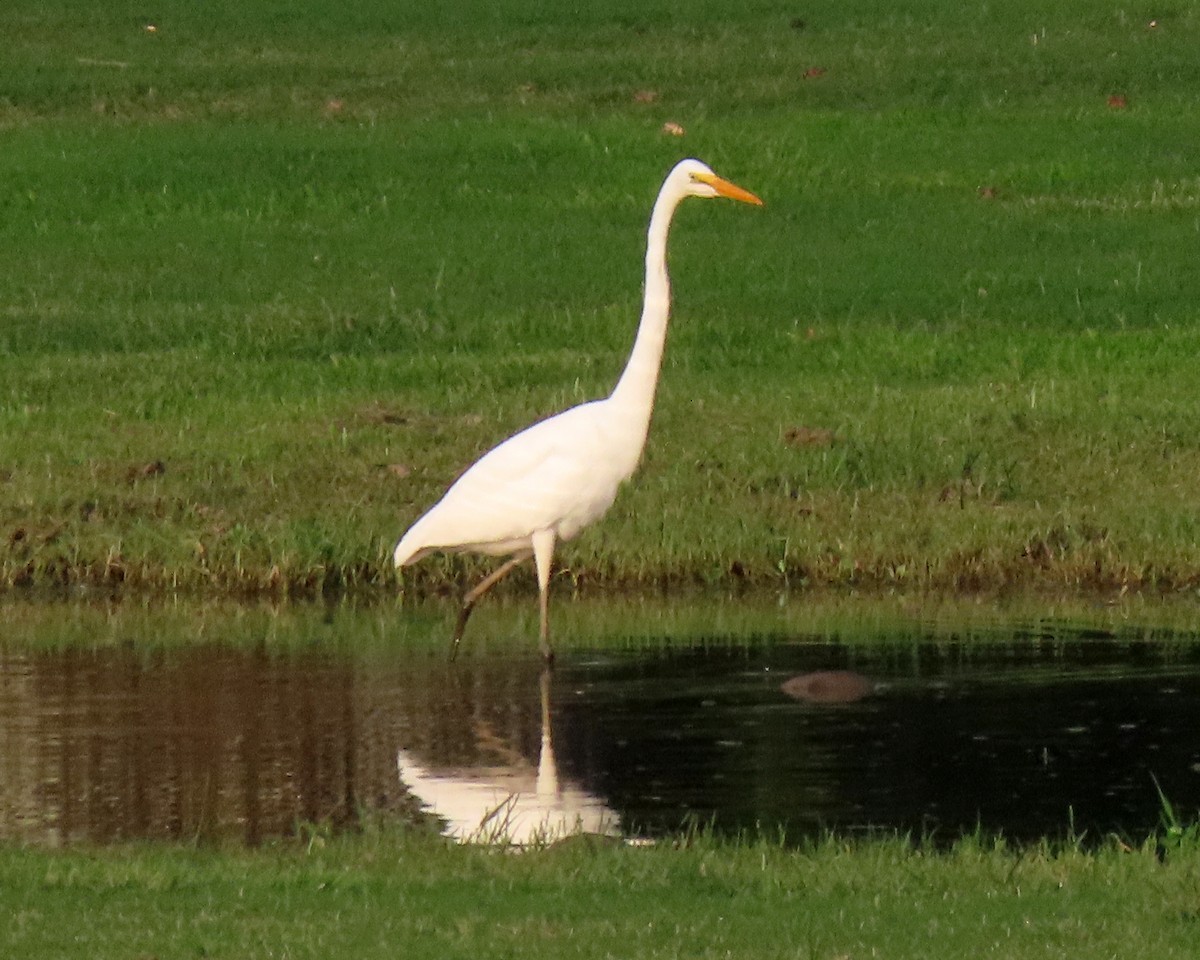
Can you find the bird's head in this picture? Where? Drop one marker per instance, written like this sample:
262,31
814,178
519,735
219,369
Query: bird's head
700,181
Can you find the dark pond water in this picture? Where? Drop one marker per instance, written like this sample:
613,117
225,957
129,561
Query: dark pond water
1027,739
1030,737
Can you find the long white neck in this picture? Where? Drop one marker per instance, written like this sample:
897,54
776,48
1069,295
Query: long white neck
633,395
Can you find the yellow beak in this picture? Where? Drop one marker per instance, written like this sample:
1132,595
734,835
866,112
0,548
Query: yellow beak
727,189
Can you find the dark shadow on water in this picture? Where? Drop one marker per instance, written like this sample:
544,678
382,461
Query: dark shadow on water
211,742
1029,740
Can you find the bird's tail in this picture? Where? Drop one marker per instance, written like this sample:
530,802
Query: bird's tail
406,551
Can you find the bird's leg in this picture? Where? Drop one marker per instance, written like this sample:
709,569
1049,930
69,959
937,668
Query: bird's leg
473,595
543,555
544,631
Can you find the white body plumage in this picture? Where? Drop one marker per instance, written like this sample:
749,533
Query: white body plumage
559,475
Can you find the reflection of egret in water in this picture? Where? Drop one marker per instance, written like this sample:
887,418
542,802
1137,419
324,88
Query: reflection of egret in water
513,803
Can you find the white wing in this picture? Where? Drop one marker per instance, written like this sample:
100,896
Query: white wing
561,473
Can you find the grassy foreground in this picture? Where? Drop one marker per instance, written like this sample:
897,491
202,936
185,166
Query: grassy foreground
271,280
381,895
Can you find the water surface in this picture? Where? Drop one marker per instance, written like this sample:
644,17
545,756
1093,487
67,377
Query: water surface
1027,739
247,737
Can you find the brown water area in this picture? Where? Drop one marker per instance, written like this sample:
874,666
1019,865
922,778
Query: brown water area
215,742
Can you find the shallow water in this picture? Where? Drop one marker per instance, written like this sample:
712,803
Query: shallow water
1025,739
1028,735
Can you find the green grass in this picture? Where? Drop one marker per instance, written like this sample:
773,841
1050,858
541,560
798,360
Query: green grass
390,892
259,257
279,248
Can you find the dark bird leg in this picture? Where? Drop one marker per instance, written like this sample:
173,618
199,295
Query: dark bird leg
473,595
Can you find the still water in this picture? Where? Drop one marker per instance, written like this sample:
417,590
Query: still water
1028,734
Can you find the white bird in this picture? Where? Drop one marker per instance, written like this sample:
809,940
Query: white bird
552,479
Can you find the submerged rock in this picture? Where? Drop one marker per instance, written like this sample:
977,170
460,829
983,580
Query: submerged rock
829,686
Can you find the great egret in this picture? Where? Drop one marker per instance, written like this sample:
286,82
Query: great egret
552,479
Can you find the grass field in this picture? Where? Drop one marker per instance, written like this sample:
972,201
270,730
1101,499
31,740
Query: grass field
274,274
384,894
